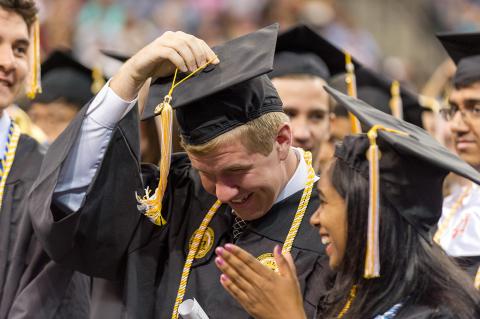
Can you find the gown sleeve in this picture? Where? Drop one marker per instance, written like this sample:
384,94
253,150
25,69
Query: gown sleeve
94,238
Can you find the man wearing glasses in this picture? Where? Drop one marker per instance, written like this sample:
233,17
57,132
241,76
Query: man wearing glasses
459,228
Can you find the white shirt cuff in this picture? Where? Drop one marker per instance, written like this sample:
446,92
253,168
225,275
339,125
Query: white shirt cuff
113,108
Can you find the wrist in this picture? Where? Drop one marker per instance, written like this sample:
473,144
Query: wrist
127,82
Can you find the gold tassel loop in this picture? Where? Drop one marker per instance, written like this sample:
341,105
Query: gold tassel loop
372,258
396,105
350,81
34,85
151,205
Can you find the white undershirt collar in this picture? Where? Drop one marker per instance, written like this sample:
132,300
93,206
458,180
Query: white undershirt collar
299,178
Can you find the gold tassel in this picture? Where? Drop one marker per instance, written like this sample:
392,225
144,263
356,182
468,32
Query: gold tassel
355,126
98,81
35,81
396,105
151,205
372,258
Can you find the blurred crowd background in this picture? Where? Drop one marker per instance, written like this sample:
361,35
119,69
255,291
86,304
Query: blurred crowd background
395,37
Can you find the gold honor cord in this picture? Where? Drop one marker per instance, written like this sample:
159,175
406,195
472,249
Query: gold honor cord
151,205
7,161
372,258
350,81
302,206
348,304
442,228
206,220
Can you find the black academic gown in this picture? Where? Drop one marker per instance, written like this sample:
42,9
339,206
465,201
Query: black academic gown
26,164
27,274
108,237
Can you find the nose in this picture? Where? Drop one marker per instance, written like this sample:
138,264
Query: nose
300,131
458,123
315,219
7,59
225,192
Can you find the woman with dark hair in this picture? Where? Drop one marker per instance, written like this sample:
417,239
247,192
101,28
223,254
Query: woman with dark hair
375,218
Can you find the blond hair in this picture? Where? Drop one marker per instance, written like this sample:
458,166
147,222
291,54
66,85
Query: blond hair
257,135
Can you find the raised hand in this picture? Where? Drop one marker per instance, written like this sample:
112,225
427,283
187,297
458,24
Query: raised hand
263,293
160,58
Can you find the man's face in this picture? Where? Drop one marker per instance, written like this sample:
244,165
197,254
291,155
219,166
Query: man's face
306,103
465,124
14,43
248,182
53,117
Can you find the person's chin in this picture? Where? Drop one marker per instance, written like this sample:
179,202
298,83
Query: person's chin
471,156
5,100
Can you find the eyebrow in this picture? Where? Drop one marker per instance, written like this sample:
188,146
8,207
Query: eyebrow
23,41
237,167
472,100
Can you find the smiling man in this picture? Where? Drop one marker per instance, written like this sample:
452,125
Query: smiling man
20,155
303,63
458,229
27,276
240,180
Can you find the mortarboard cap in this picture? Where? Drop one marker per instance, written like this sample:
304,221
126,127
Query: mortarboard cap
464,50
224,96
66,78
409,174
301,50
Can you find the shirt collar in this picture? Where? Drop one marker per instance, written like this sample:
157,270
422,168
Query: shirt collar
299,178
4,126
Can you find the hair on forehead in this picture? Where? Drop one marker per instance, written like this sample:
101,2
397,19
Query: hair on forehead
257,135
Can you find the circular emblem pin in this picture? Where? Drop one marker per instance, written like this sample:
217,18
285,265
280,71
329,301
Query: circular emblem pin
268,260
206,243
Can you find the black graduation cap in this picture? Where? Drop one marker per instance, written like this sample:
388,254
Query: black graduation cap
301,50
224,96
464,49
64,77
411,168
229,94
375,89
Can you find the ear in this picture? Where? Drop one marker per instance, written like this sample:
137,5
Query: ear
283,141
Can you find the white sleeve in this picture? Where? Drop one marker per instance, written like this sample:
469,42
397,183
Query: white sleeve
80,166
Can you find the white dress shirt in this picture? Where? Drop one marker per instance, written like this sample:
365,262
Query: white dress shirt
4,126
462,235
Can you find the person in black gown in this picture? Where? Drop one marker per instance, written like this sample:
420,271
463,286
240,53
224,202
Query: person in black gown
379,200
